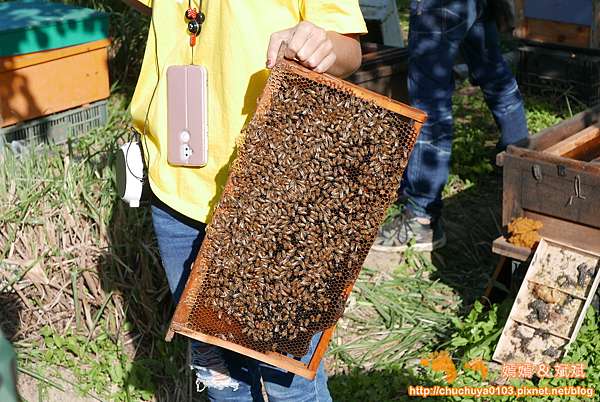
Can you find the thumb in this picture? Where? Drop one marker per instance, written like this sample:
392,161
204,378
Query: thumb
274,44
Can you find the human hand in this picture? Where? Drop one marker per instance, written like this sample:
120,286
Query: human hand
307,43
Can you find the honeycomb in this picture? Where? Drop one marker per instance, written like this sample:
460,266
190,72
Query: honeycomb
524,232
551,304
315,173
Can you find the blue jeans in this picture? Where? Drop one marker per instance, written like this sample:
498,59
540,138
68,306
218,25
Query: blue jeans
440,30
227,376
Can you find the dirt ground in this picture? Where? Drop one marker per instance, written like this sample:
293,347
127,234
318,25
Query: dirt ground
30,390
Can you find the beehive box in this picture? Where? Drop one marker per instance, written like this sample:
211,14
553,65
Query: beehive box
569,23
53,58
320,163
383,22
554,177
550,306
383,70
43,83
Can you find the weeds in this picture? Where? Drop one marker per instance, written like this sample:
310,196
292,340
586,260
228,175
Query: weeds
82,289
393,318
99,367
473,337
459,271
476,335
542,114
586,349
85,300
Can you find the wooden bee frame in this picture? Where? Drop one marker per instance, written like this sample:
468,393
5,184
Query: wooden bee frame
186,319
552,278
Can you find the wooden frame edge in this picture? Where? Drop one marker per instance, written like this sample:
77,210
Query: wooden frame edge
543,245
380,100
308,371
588,167
319,352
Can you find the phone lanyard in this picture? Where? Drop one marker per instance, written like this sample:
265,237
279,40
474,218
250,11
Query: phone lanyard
195,19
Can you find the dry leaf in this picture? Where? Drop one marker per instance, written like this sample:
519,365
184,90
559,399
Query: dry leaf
36,274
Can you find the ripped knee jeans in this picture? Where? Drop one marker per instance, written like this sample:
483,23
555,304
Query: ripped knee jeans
225,375
211,371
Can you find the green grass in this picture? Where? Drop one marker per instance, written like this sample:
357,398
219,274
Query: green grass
542,114
460,271
99,367
474,336
403,12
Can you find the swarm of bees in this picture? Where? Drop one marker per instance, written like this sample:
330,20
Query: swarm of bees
314,176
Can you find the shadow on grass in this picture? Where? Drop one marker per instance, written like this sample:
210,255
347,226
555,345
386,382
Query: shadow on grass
472,221
132,270
10,308
364,386
472,200
473,203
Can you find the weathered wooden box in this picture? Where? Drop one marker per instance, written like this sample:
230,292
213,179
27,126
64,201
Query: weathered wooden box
383,70
554,177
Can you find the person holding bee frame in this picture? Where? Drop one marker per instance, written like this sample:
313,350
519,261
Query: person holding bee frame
440,32
227,47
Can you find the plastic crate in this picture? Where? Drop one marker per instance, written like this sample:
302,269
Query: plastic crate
554,73
55,128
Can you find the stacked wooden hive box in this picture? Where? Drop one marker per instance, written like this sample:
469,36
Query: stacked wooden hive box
560,53
383,70
53,71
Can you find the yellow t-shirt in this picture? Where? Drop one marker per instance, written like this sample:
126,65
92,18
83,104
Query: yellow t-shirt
232,46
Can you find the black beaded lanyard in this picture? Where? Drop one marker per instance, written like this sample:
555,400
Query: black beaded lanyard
195,19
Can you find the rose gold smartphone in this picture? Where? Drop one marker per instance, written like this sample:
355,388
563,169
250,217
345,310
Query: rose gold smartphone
187,112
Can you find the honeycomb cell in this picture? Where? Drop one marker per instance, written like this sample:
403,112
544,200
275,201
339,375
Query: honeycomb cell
315,172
